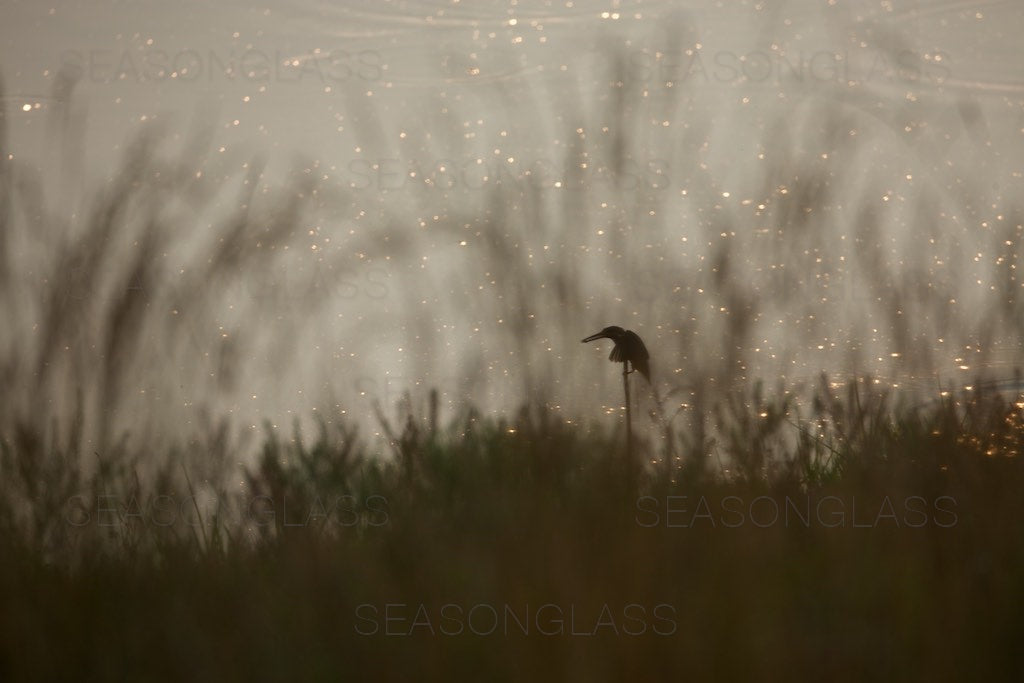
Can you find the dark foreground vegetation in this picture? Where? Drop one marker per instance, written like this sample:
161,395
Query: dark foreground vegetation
860,542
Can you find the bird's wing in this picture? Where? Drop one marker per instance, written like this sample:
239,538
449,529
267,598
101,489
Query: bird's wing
644,367
637,353
635,346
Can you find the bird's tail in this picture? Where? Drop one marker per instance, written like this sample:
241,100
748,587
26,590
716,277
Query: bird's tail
644,367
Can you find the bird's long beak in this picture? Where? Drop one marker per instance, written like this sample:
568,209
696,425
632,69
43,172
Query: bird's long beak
599,335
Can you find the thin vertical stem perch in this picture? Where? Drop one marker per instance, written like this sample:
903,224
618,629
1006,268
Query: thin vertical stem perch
629,416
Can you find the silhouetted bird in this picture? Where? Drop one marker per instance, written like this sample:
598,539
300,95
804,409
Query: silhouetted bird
628,348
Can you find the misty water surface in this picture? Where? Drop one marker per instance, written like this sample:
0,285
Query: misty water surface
763,191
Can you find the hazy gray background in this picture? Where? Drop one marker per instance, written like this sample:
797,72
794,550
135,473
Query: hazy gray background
763,190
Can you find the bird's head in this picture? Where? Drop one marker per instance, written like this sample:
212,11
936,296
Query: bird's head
613,332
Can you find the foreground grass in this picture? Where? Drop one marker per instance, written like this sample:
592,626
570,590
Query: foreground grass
886,546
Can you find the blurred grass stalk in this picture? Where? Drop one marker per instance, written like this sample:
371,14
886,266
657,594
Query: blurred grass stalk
130,311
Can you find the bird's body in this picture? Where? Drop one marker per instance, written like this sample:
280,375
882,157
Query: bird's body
629,348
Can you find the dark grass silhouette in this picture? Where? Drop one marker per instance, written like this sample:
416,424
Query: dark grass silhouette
804,559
